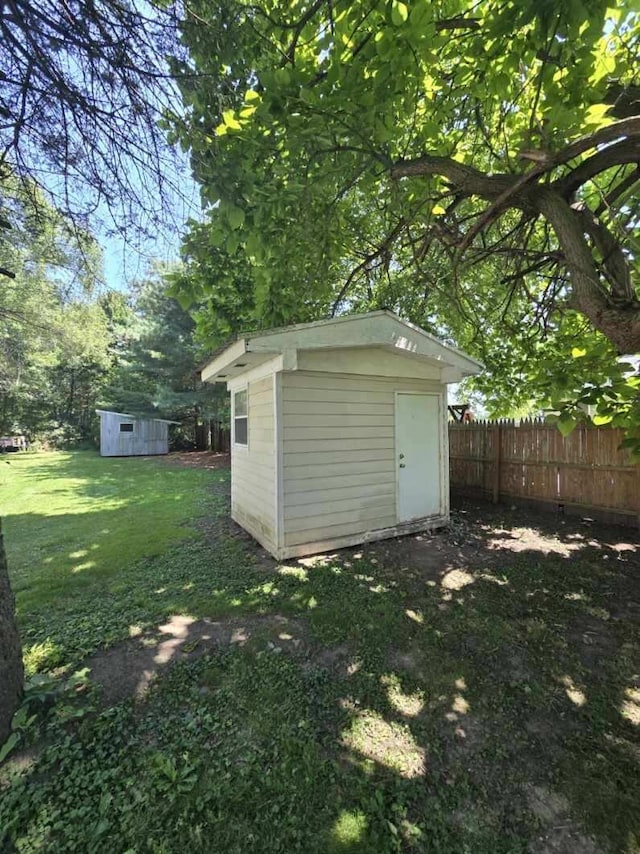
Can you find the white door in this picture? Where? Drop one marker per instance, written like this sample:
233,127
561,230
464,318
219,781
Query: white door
418,455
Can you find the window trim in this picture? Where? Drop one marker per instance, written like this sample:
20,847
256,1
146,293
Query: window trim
240,445
129,425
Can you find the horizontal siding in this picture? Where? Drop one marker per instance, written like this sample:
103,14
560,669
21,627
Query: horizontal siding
262,413
339,466
265,536
343,507
368,361
338,444
324,420
339,454
253,477
261,398
336,494
318,381
246,478
360,517
340,433
339,409
260,479
259,437
350,469
306,394
329,457
294,486
327,532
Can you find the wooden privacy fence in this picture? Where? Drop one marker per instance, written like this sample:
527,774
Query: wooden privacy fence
585,472
213,436
220,437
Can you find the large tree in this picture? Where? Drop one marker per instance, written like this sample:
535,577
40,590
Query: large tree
342,145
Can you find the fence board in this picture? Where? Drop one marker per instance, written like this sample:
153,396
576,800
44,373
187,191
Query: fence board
586,471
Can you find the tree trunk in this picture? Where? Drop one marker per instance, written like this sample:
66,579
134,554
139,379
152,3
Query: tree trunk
11,671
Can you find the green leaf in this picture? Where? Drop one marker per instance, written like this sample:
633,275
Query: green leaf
235,215
253,243
230,121
232,244
399,13
8,746
598,420
185,300
217,237
20,718
566,424
597,115
578,353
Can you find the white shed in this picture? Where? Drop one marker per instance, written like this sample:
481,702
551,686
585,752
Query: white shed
339,431
123,435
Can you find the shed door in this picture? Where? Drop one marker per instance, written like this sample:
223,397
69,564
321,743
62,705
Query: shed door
418,455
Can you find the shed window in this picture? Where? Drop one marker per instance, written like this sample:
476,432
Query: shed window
126,427
240,418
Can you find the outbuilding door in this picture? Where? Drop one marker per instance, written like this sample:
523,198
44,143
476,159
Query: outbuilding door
418,455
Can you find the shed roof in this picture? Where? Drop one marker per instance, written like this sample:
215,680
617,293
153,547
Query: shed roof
133,417
381,329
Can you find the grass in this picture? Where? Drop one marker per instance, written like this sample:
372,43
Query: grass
470,692
81,534
80,518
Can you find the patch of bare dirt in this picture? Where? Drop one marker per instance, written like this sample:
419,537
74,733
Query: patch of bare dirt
480,533
128,668
197,459
559,834
338,659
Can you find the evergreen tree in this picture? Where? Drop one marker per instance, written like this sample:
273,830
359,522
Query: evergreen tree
157,375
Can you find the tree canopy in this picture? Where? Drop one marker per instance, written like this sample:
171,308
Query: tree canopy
156,371
478,162
83,87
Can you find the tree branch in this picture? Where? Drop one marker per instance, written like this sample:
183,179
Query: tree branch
619,154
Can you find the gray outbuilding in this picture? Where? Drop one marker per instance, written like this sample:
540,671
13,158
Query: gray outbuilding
339,431
123,435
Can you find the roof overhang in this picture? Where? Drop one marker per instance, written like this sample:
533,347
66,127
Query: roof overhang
378,329
236,359
134,417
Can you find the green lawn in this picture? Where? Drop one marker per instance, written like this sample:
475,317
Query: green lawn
474,691
82,533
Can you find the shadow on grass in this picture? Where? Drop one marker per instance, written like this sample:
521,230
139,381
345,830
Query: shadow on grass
92,518
472,690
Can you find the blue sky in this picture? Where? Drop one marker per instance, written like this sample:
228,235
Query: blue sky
128,259
124,263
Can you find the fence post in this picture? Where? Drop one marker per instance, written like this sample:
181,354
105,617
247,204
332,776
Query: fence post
497,436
